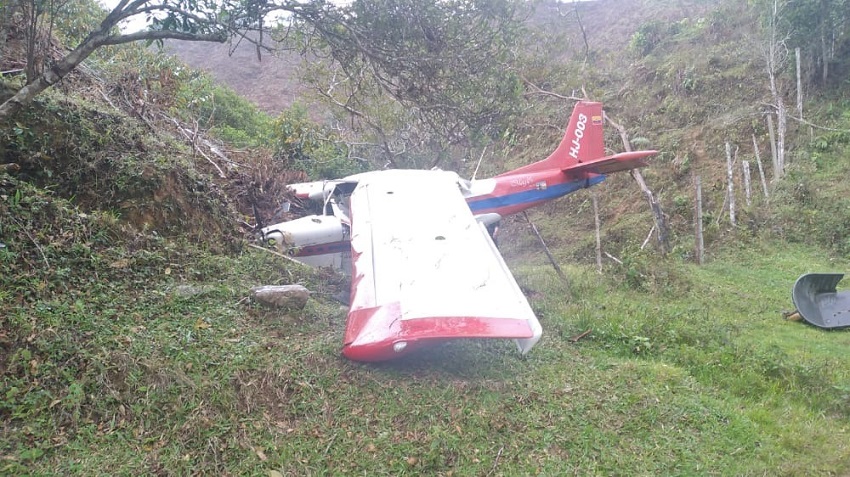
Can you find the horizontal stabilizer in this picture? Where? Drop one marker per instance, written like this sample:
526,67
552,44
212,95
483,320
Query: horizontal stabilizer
623,161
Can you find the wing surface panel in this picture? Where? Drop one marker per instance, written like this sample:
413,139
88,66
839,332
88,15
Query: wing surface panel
425,269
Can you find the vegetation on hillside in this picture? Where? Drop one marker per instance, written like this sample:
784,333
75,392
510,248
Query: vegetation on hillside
128,194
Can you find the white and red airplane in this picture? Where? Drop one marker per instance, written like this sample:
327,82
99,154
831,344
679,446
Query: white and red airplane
424,267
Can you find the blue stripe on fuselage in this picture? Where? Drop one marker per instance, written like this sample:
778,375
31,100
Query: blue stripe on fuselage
533,195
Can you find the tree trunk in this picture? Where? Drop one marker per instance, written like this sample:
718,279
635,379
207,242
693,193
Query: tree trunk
96,39
782,120
775,64
824,58
52,75
761,169
7,11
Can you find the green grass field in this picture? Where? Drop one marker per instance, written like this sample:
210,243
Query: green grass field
154,361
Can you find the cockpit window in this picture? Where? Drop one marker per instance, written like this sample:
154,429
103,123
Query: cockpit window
345,188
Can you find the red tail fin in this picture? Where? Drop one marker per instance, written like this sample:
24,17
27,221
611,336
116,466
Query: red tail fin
582,142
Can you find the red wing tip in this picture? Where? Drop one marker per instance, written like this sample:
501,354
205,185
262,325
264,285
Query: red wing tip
382,344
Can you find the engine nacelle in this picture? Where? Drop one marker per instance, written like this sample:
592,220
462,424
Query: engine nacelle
316,240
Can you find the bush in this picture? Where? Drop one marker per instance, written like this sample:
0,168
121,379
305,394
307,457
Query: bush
224,113
308,147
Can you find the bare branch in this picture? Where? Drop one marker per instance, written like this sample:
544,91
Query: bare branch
538,91
164,35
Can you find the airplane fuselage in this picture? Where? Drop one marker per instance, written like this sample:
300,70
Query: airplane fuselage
508,195
578,162
323,240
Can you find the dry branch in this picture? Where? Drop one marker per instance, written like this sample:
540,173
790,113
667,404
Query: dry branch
545,248
574,339
654,205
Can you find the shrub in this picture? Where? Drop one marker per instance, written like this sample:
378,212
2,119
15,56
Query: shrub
311,148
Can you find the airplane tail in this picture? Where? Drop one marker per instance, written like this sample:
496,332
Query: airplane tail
583,140
582,149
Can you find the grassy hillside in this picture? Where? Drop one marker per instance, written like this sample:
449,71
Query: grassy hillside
128,343
144,356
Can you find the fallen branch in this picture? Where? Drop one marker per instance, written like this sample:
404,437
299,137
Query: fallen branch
816,126
275,253
539,91
496,461
40,250
221,173
579,336
546,249
654,203
649,236
106,98
613,258
193,139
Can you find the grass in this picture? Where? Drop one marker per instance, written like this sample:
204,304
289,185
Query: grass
161,366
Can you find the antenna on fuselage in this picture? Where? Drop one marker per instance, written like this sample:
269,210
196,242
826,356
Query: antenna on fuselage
479,163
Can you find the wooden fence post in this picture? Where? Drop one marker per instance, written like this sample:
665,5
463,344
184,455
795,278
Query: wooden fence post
799,85
747,194
700,244
730,187
761,169
595,200
777,172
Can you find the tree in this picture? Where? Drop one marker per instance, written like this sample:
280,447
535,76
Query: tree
443,59
184,22
419,74
819,28
775,51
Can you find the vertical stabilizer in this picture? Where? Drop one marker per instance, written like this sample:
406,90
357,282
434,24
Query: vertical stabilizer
583,141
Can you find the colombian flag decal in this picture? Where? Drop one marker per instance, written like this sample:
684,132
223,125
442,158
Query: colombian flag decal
596,120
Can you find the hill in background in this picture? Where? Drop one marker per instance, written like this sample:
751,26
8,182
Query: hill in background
268,80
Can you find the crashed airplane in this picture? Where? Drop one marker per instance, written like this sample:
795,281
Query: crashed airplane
424,267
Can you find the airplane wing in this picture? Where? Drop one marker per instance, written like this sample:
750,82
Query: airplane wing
606,165
425,270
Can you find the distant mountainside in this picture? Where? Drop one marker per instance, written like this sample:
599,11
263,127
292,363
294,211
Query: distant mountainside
267,80
272,84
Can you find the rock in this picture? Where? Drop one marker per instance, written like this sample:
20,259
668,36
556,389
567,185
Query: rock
188,291
282,296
